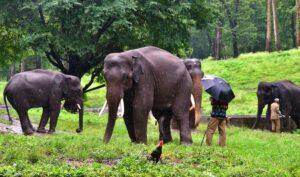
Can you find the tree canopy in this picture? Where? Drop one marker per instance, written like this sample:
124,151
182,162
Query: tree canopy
248,20
76,35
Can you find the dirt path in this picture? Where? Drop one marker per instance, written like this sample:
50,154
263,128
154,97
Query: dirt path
15,127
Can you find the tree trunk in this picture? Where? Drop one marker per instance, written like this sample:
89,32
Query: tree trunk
233,24
268,26
38,62
275,26
217,43
210,42
297,23
12,71
22,66
293,29
234,30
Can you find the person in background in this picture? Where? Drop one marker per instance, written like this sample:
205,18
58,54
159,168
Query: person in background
218,119
275,113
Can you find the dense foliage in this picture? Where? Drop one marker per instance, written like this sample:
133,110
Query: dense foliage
76,35
11,46
250,27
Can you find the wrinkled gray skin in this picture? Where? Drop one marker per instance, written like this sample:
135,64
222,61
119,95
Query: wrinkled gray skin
193,66
46,89
289,96
147,79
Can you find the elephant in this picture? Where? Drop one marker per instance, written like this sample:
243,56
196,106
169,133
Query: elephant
147,78
193,66
289,96
46,89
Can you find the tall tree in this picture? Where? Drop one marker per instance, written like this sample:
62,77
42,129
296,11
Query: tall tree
76,35
217,44
232,17
268,25
297,22
275,26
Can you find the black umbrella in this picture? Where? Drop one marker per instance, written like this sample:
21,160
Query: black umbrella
218,88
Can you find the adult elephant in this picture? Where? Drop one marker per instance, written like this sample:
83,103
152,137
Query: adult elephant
147,79
193,66
289,96
46,89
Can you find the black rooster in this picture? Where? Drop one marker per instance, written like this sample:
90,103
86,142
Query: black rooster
155,155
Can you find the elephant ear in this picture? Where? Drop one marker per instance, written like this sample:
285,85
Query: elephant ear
137,69
66,85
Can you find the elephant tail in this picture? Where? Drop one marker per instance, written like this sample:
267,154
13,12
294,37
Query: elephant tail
5,101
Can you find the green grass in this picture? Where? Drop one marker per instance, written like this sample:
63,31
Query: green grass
245,72
248,153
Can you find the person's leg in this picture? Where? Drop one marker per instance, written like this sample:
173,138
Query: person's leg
211,127
277,126
273,125
222,132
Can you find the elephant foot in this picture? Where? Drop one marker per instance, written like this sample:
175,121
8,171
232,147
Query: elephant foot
41,130
168,140
51,131
78,130
28,132
186,142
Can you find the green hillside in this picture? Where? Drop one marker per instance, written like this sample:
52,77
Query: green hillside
245,72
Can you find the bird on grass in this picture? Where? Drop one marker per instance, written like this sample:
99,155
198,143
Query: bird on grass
156,153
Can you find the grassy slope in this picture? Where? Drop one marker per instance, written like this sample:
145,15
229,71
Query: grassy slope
245,72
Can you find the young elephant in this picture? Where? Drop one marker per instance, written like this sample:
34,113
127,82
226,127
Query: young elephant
46,89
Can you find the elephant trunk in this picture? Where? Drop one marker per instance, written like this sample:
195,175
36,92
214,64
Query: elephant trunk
80,112
197,93
260,108
114,96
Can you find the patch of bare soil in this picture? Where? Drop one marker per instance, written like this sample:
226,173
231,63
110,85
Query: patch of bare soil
15,127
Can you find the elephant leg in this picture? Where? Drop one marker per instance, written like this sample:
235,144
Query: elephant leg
54,113
288,119
128,116
140,116
268,116
181,113
44,121
164,121
25,123
142,105
167,129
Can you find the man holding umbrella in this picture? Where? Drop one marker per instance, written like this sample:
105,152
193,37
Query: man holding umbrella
218,119
221,94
